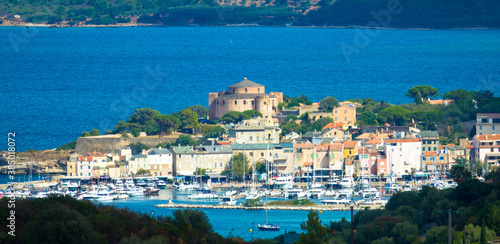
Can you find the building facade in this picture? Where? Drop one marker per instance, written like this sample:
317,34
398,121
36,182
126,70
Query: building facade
487,149
256,130
403,156
242,96
488,124
345,114
160,162
186,159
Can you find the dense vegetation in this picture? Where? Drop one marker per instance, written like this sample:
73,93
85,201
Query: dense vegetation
419,217
395,13
453,121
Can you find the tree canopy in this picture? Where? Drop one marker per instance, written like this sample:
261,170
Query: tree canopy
328,103
419,93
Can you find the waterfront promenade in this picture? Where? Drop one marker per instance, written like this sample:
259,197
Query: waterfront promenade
272,207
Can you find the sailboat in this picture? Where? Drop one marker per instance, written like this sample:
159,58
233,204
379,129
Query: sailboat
268,226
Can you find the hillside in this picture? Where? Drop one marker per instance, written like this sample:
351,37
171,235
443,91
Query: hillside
375,13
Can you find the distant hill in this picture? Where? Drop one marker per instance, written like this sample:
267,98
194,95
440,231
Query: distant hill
372,13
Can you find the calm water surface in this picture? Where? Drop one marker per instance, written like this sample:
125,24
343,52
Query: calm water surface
58,82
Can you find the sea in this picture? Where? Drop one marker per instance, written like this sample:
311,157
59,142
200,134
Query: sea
58,82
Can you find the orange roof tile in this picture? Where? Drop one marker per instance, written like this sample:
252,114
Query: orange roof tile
350,144
303,145
487,137
224,142
329,125
336,147
469,146
374,141
85,158
365,136
429,153
95,154
402,140
308,163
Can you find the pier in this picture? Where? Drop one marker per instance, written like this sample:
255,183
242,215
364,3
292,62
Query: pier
272,207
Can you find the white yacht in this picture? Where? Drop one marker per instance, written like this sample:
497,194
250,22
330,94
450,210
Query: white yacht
227,201
342,197
315,193
347,182
161,184
204,194
188,187
284,182
295,193
135,191
103,196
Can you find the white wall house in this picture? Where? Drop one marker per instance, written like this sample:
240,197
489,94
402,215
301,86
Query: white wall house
403,155
487,149
488,124
161,162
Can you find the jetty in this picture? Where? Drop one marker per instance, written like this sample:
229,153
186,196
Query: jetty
272,207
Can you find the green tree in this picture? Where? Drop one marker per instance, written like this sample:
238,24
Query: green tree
473,233
142,171
314,231
68,146
394,115
457,95
137,147
168,123
185,140
59,224
201,111
383,240
212,131
328,103
367,118
252,113
483,233
289,127
143,116
459,173
200,171
189,119
234,117
405,232
422,92
320,123
237,166
291,117
437,235
194,222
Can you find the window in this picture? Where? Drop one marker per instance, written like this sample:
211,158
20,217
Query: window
434,148
345,118
244,102
480,127
251,154
441,158
224,102
253,102
71,166
257,138
235,102
493,127
484,120
496,121
335,118
423,148
345,111
220,165
262,154
429,148
265,103
246,90
335,111
258,89
491,149
424,158
250,138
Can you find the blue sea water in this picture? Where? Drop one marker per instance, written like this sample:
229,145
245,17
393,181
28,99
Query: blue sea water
56,83
230,222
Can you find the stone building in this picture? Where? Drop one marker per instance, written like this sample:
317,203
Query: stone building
211,158
255,130
242,96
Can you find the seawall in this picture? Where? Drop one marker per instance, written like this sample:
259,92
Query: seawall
273,207
108,144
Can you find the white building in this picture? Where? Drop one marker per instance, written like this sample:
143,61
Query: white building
488,124
211,158
160,161
137,162
126,153
256,130
487,149
84,166
403,155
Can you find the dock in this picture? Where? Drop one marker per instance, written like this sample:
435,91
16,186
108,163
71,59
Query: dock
272,207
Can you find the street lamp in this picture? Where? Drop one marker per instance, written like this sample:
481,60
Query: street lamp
352,204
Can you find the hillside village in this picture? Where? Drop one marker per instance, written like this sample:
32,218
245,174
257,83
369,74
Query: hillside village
340,148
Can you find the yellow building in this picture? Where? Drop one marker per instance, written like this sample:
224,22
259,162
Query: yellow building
351,148
345,114
71,168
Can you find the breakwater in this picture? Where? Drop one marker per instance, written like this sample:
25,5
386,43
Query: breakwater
273,207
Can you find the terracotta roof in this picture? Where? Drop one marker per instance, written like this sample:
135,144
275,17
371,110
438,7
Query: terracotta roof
365,136
360,151
329,146
348,162
245,83
487,137
329,125
469,146
336,147
374,141
402,140
224,142
85,158
429,153
303,145
275,120
350,144
308,163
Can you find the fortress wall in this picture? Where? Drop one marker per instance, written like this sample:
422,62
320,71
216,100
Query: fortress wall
106,145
